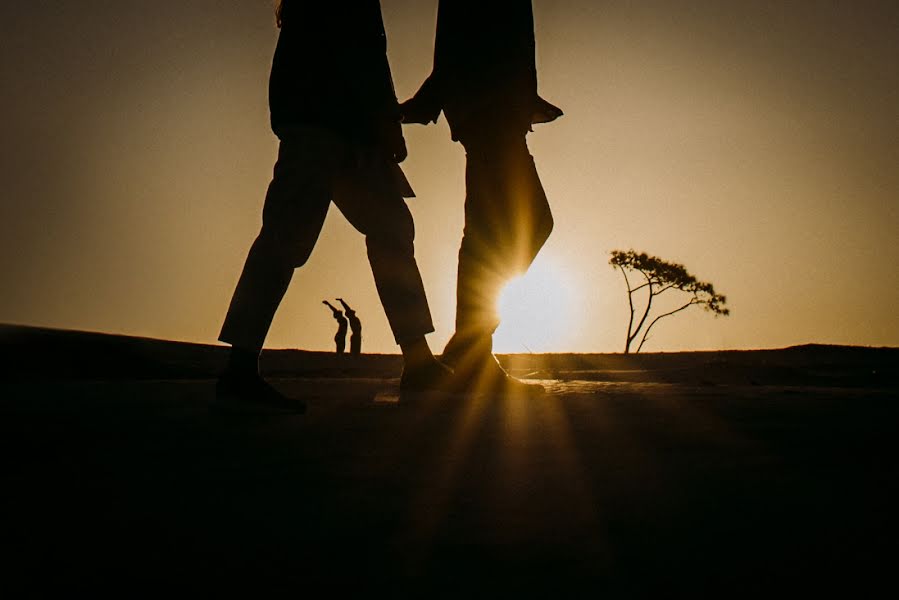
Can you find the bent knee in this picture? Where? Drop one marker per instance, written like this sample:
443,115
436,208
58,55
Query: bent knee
547,226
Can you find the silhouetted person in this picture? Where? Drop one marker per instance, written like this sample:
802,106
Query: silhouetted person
340,336
355,328
334,109
484,80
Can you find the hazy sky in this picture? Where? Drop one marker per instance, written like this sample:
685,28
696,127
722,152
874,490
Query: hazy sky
755,142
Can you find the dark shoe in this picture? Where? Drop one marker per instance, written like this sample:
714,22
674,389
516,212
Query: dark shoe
477,370
469,347
252,395
432,377
485,375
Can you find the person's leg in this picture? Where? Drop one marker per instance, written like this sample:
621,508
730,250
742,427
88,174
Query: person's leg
370,201
296,205
259,291
507,221
295,208
383,217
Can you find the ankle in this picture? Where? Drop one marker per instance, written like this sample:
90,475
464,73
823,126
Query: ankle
242,363
417,353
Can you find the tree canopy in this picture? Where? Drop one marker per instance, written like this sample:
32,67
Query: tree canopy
660,276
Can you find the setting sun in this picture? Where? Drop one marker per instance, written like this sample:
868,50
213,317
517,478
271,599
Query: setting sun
539,310
739,138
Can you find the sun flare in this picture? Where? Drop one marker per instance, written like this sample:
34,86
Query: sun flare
539,310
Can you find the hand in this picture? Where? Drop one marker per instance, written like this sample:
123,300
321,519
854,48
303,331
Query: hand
544,112
416,111
393,142
398,150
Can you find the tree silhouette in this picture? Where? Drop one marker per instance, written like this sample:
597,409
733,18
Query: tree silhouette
661,276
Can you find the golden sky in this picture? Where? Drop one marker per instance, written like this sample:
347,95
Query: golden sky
755,142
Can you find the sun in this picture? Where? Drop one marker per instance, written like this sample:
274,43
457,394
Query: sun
539,310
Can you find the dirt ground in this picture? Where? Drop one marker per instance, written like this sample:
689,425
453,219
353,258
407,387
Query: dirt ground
616,487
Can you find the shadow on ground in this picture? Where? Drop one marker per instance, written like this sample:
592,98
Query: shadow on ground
620,486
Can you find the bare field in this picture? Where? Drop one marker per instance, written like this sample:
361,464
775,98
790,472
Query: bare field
610,485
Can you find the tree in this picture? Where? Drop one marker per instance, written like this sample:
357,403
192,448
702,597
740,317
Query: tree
660,276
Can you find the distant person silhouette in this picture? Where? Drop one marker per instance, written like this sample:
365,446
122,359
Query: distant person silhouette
355,328
335,112
340,336
484,79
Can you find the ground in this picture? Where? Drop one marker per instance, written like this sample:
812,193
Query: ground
625,487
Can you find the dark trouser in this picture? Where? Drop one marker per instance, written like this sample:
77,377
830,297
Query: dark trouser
314,168
507,221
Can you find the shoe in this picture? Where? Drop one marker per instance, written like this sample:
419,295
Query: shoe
482,373
252,395
491,376
433,377
461,348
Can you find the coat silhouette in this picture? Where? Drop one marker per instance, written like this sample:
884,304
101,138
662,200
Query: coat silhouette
484,68
330,70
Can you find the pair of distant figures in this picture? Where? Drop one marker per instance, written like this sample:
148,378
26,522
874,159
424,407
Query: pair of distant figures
355,326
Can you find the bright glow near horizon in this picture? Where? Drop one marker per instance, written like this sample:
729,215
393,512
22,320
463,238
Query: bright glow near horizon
754,142
540,310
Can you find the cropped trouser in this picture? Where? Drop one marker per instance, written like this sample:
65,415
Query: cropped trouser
314,168
507,221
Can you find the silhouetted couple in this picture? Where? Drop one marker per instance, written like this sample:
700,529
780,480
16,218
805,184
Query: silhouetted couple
355,325
334,109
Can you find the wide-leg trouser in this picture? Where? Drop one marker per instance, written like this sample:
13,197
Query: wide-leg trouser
314,168
507,222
